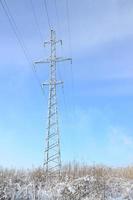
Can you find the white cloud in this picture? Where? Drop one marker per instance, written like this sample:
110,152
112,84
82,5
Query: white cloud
97,139
118,137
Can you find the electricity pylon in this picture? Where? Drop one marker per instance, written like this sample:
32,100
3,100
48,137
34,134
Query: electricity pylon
52,163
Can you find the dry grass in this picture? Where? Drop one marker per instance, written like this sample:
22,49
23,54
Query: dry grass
20,184
71,171
75,170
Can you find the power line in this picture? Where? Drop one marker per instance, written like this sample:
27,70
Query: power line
70,46
36,20
57,16
59,29
48,18
68,23
19,39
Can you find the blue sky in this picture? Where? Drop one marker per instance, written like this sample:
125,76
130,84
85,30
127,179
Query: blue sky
96,110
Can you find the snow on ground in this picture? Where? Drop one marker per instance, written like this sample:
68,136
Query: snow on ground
85,188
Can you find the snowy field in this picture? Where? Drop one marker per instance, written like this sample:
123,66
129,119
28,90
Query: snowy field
29,185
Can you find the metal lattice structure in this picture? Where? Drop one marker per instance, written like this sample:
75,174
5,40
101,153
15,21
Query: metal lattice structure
52,161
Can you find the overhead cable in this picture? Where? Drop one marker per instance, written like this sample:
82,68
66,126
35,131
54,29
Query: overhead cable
20,40
36,20
70,45
48,18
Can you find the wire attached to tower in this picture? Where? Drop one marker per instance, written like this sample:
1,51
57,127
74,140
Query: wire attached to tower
20,40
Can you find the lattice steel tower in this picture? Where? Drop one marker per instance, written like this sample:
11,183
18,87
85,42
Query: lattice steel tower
52,161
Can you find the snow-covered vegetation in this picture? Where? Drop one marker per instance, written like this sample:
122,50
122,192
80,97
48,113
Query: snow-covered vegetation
76,183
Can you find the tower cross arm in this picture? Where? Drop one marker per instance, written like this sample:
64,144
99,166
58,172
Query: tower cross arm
42,61
52,82
63,59
60,59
